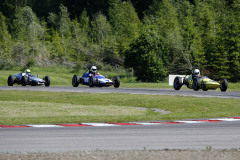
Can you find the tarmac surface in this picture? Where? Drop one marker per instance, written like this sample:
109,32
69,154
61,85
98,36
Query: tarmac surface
148,91
198,136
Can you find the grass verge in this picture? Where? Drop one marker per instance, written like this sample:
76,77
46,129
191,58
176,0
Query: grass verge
28,107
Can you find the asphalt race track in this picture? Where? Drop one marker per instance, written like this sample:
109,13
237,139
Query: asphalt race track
217,135
148,91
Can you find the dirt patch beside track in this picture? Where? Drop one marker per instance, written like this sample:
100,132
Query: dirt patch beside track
130,155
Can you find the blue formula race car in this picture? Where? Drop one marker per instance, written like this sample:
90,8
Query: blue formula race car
93,78
25,78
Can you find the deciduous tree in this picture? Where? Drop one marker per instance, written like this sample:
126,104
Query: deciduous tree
147,56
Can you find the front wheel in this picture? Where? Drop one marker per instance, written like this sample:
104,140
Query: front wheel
223,85
204,88
116,81
196,84
47,81
24,80
10,80
177,84
91,81
75,81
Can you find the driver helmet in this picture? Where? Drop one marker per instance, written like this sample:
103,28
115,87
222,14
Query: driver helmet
28,72
93,69
196,72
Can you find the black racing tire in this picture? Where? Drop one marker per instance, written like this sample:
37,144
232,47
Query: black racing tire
177,83
204,87
91,81
75,81
116,81
24,80
47,81
10,80
33,83
196,84
223,85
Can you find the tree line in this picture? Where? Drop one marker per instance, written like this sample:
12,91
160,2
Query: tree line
154,38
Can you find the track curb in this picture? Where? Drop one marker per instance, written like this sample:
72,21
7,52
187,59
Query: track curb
108,124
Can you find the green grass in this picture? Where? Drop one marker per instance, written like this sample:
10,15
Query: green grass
28,107
234,87
163,85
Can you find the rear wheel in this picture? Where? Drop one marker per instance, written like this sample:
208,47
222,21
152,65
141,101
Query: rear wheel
47,81
116,81
91,81
33,83
10,80
204,88
75,81
196,84
24,80
177,84
223,85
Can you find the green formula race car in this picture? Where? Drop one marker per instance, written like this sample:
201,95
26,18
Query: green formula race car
200,82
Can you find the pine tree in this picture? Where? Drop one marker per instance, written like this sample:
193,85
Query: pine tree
57,49
231,38
84,23
5,38
5,42
62,23
28,31
162,17
214,61
101,29
125,22
191,39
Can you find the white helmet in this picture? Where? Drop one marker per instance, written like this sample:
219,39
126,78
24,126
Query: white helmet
196,72
93,69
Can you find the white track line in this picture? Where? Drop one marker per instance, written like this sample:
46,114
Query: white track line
44,125
99,124
190,121
150,123
226,119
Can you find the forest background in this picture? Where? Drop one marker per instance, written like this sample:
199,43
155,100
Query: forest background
152,38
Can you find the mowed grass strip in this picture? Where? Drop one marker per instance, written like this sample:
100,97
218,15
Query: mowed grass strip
29,107
41,109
